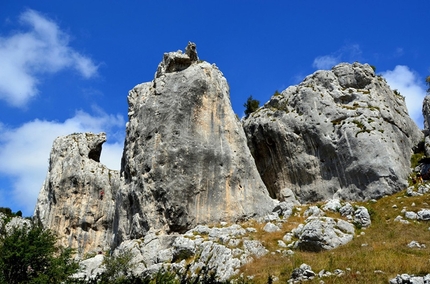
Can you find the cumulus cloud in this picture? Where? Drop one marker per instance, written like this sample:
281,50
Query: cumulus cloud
41,49
26,150
409,84
325,62
348,53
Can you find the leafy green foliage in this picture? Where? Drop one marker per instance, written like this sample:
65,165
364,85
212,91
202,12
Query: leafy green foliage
29,254
251,105
118,268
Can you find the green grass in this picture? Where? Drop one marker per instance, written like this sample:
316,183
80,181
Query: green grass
381,247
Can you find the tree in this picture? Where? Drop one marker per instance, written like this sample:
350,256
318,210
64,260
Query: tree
29,254
251,105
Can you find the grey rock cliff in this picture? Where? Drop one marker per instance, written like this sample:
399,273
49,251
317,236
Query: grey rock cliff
186,159
340,133
77,197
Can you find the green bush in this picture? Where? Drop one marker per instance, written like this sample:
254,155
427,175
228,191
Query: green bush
29,254
118,268
251,105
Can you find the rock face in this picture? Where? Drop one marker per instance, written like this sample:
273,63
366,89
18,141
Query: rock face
186,159
77,197
340,133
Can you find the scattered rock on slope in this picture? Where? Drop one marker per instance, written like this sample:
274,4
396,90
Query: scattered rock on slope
76,200
340,133
186,159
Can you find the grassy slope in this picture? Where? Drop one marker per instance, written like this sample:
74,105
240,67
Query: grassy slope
382,247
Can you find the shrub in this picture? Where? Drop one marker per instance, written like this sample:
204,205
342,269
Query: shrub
118,267
30,255
251,105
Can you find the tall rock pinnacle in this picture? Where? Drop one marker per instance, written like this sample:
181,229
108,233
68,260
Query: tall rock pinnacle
186,159
77,197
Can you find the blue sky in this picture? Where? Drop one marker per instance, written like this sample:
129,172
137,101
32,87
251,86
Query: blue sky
67,66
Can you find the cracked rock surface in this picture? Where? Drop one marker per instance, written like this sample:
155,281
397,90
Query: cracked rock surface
77,197
341,133
186,160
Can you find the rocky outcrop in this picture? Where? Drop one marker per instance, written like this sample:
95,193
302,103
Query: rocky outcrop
186,159
340,133
410,279
222,249
8,225
77,197
323,233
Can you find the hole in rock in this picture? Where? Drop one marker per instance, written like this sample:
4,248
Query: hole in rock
95,153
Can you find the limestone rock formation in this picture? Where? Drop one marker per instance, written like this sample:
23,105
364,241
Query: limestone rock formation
186,159
340,133
77,197
323,233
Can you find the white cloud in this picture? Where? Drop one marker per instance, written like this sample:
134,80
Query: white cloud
347,53
325,62
408,83
42,48
26,150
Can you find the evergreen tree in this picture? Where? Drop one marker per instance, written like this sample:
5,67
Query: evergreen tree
251,105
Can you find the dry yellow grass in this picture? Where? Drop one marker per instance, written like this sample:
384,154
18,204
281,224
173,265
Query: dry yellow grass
375,255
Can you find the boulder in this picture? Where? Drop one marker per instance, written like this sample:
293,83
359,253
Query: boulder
303,273
332,205
313,211
284,209
424,214
362,217
89,268
346,210
341,133
185,160
323,233
77,198
271,228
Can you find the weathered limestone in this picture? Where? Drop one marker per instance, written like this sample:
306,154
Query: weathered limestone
340,133
323,233
77,197
186,159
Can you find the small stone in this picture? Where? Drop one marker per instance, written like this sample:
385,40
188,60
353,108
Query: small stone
411,215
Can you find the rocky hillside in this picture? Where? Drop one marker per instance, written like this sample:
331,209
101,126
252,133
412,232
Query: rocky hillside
196,183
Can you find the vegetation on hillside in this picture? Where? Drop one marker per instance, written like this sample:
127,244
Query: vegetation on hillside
29,254
375,255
